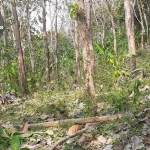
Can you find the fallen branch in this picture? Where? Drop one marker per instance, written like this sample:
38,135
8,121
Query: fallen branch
77,120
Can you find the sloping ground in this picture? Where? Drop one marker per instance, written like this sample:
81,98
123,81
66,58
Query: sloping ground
131,131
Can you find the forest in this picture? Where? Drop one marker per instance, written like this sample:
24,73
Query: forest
74,75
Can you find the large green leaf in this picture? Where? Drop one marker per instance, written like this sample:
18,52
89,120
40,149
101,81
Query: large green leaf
15,142
100,48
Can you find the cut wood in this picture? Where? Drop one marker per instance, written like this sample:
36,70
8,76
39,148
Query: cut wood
77,120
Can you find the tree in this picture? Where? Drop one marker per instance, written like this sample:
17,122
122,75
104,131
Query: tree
83,29
16,32
76,45
56,41
90,35
46,42
29,38
142,24
4,33
113,24
1,22
129,21
144,7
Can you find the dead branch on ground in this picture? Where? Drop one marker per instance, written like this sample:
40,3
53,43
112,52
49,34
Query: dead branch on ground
102,119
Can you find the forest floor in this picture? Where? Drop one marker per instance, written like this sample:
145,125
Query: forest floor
130,130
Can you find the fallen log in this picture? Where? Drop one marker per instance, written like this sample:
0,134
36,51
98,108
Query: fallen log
102,119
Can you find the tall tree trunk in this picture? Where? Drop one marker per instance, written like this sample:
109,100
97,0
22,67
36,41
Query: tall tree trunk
31,53
90,34
46,42
146,21
56,42
76,44
142,25
129,20
51,37
22,74
4,33
85,47
1,25
113,25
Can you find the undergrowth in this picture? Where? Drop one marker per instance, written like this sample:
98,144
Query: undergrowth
60,101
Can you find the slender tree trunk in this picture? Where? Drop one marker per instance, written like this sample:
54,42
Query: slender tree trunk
46,42
4,33
103,35
22,74
1,24
51,24
129,20
85,47
21,37
51,37
113,25
142,25
90,34
76,43
56,42
31,53
146,21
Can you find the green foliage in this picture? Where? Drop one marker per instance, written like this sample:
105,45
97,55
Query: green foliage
10,76
117,62
31,81
70,146
15,142
12,139
99,49
24,149
137,84
74,8
119,101
4,139
67,67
